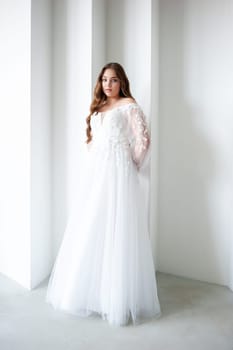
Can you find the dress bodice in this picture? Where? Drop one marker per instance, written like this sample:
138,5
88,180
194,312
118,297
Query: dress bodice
122,126
110,125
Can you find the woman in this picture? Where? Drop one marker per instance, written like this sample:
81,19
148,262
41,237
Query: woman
105,265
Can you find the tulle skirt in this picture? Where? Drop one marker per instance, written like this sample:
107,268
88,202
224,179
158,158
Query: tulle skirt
105,266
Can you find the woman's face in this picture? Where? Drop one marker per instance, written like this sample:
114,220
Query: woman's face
110,84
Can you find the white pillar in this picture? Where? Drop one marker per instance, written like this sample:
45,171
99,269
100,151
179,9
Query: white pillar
15,140
40,140
24,141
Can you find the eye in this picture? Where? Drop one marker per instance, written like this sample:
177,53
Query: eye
104,79
115,80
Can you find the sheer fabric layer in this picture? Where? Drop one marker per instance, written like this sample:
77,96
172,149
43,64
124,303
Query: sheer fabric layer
105,264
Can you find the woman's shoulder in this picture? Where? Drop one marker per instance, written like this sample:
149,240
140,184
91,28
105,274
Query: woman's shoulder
127,100
130,104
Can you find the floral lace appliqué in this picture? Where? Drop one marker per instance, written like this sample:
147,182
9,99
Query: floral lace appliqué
140,138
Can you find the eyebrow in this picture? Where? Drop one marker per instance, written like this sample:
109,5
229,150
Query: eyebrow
104,76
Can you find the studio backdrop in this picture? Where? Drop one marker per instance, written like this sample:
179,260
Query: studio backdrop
178,56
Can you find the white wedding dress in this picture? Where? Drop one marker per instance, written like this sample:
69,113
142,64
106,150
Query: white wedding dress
104,266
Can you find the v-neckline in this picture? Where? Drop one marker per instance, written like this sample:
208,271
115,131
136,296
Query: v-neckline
102,114
117,107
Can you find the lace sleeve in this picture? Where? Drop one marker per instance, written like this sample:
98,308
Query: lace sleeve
139,134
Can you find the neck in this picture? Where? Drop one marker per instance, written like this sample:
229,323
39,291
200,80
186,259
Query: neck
112,100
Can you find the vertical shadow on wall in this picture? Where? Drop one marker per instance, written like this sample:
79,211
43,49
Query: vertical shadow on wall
115,29
187,162
59,121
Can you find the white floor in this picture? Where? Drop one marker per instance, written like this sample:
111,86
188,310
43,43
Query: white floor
195,315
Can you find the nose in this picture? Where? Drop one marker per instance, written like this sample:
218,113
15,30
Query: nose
109,83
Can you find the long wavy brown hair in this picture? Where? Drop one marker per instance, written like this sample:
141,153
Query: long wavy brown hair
100,98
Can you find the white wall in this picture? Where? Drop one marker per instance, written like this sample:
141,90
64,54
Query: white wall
129,43
154,119
15,140
196,128
192,203
99,38
40,140
72,90
230,284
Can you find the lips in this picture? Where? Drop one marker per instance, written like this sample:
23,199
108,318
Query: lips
108,90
